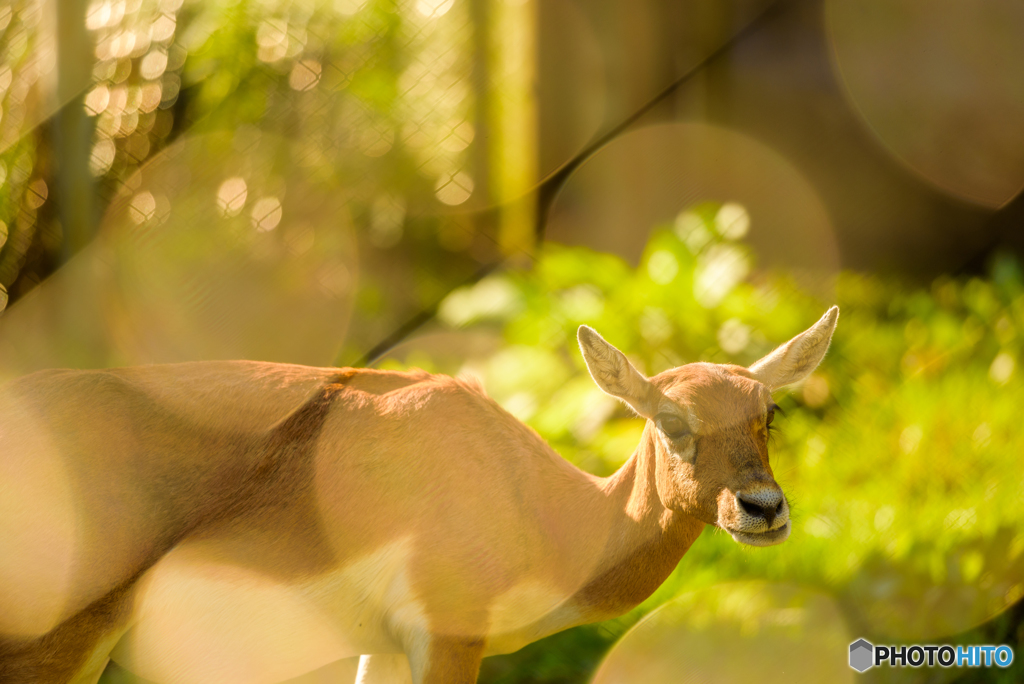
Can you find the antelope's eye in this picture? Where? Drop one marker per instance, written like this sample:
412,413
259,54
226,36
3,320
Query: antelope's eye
673,426
771,415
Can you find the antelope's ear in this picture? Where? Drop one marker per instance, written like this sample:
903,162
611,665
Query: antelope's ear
798,358
615,375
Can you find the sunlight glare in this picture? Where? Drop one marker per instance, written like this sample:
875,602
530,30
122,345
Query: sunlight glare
454,189
433,8
231,196
266,214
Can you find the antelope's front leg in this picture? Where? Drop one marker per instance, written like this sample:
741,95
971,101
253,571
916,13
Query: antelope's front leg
449,660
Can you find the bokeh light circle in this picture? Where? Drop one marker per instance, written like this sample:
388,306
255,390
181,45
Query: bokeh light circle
941,85
645,178
735,632
222,250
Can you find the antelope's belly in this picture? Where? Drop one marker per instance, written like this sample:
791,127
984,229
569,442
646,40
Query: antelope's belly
199,621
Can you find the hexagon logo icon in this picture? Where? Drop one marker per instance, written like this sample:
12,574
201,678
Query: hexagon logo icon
861,655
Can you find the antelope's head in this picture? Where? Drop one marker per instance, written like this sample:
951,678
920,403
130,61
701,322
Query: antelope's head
708,424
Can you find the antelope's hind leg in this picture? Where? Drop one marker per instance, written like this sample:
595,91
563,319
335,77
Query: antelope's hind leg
76,651
384,668
45,662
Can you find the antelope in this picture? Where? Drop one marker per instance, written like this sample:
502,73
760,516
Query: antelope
245,522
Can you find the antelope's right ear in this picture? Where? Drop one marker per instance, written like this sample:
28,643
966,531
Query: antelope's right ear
615,375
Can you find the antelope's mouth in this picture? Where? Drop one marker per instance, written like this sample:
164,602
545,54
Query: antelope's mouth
769,538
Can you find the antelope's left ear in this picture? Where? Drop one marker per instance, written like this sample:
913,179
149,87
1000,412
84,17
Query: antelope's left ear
798,358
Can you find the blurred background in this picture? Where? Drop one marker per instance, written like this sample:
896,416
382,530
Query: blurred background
458,184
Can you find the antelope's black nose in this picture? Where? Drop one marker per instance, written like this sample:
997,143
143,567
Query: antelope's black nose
764,503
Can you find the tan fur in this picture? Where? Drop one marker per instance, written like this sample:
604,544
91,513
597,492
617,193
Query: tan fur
249,522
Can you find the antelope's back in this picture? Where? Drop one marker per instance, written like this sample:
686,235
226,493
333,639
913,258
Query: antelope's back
102,470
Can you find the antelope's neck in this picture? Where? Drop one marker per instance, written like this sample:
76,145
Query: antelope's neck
647,539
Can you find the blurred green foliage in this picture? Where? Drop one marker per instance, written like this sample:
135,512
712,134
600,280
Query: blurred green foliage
900,455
